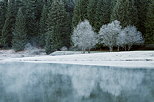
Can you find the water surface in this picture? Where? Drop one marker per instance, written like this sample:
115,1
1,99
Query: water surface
38,82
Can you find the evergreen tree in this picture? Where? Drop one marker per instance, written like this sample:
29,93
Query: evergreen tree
18,4
103,11
76,14
8,27
5,3
31,18
20,33
33,14
91,11
2,15
149,25
80,11
43,26
125,11
69,5
58,34
142,6
113,3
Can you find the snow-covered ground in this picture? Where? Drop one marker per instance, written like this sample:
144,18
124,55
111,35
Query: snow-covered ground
133,59
6,54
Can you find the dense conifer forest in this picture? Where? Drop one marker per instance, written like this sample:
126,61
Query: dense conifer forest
53,24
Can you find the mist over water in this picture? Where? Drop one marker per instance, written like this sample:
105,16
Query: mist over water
36,82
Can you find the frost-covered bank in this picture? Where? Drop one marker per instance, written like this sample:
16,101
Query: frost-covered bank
129,59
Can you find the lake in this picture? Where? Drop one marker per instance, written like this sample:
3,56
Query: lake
46,82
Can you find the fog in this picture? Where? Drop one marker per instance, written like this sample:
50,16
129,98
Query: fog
33,82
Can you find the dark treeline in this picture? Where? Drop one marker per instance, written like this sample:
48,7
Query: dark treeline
49,23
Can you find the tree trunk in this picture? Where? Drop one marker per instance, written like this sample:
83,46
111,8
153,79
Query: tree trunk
125,48
83,50
111,49
118,48
88,50
129,47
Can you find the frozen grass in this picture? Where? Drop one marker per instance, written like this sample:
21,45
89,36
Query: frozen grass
135,59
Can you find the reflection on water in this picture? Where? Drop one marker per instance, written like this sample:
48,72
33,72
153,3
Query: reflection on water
32,82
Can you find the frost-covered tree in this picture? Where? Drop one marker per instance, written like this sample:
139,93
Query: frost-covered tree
83,36
129,36
20,33
108,34
121,40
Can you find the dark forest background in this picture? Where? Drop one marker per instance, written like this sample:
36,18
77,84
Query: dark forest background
49,23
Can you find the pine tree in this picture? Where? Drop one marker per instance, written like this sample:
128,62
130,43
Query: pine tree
113,3
149,24
20,32
83,9
33,14
43,26
77,14
2,15
142,7
8,27
103,11
31,18
91,11
126,12
80,11
69,5
18,4
58,34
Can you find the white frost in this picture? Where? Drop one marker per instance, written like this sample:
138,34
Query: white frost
137,59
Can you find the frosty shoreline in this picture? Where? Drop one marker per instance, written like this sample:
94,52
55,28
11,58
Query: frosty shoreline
132,59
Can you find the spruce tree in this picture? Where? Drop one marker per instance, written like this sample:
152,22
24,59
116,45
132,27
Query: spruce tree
113,3
18,4
83,6
33,14
6,38
125,11
43,26
2,16
58,34
20,32
103,11
142,6
31,18
76,14
149,24
80,11
91,11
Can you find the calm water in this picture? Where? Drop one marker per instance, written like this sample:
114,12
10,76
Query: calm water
32,82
